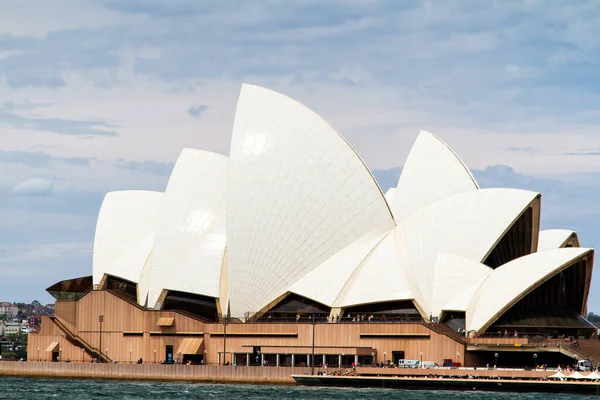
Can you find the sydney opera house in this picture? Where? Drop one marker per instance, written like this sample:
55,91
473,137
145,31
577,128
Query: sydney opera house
288,248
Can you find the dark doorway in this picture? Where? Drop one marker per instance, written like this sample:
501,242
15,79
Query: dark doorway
195,359
397,355
54,356
169,354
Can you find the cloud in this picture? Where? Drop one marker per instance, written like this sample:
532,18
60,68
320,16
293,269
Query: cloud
196,111
56,125
39,252
378,71
39,158
582,153
151,167
34,187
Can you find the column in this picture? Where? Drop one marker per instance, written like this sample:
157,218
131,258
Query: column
262,360
324,359
308,360
233,358
248,359
355,359
340,361
277,360
293,360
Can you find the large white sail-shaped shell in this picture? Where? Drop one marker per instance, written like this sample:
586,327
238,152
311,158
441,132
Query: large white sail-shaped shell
297,194
433,171
190,241
125,233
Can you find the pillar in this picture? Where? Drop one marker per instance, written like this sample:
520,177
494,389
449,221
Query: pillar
277,360
324,359
233,358
308,360
262,360
355,359
293,361
340,361
248,359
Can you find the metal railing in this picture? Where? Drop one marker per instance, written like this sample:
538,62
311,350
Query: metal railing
265,318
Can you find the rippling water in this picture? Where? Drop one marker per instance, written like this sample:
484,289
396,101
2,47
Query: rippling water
40,389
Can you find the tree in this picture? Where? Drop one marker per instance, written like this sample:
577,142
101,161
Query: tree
593,317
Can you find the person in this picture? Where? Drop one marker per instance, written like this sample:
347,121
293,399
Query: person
297,317
57,358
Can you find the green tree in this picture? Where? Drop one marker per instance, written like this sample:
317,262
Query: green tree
593,317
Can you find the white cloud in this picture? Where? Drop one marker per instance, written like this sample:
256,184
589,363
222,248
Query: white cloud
34,187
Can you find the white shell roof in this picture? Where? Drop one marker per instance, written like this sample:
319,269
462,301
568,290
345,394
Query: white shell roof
513,280
294,209
297,194
433,171
125,233
324,283
554,238
456,279
190,239
380,277
467,224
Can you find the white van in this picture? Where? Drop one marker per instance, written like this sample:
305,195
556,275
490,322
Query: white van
584,365
408,363
428,364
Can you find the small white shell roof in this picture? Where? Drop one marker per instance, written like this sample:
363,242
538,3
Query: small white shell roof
297,194
513,280
324,283
125,233
433,171
389,195
467,224
554,238
190,240
456,280
380,277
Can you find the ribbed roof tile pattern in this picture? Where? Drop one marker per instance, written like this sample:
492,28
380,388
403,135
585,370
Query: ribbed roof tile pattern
298,194
190,239
125,233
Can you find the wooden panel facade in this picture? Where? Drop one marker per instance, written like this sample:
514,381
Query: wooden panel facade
130,332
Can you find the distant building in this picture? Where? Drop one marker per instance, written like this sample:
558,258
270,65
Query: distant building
35,321
9,309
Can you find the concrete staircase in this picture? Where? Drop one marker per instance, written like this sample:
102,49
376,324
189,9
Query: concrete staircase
588,349
444,329
77,341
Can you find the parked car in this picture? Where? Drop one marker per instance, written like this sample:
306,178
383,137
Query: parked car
408,363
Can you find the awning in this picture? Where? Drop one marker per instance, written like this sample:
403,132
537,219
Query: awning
190,346
166,321
53,347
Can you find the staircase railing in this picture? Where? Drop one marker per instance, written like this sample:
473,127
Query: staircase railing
446,331
76,340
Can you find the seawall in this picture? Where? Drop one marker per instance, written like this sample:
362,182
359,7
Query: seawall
154,372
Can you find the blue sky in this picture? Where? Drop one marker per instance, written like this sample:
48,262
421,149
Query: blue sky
103,95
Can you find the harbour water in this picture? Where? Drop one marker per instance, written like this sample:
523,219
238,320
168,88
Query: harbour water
41,389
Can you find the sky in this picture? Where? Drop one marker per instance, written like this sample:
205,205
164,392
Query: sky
100,95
